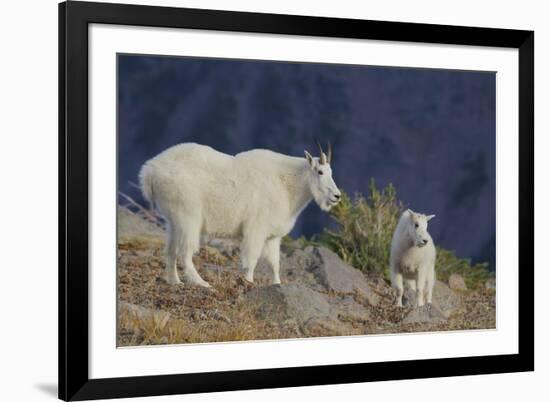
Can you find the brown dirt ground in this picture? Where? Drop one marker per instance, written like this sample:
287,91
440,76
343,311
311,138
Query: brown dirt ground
221,314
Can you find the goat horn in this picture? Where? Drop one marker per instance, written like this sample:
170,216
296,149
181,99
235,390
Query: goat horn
322,156
329,154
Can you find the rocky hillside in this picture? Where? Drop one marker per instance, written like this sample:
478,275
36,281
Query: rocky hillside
320,296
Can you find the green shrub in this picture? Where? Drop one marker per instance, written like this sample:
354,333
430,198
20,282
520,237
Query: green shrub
365,229
448,263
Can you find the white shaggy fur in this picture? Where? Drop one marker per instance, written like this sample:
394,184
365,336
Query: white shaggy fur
255,196
412,257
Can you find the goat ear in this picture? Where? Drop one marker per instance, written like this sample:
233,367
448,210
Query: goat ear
309,158
430,217
411,213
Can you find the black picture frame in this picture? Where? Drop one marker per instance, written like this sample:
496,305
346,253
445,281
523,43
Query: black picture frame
74,381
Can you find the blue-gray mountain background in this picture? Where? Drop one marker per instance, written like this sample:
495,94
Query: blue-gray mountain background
429,132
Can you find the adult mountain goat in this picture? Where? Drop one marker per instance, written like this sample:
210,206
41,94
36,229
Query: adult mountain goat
255,196
412,257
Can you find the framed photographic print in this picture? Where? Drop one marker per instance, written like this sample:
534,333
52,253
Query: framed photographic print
256,201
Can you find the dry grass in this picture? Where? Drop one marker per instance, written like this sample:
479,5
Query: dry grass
154,330
365,229
196,315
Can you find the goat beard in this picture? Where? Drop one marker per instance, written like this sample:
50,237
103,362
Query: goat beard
326,206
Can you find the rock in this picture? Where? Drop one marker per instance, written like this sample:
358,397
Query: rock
295,269
130,225
491,283
291,326
323,327
443,298
456,282
143,253
282,302
446,299
347,309
287,247
143,314
299,259
428,313
124,259
337,276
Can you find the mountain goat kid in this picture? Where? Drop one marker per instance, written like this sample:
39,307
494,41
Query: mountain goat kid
412,257
255,196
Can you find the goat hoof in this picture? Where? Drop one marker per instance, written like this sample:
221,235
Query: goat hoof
171,280
200,283
197,282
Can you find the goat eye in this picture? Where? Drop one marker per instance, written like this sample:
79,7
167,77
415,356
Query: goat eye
320,172
416,225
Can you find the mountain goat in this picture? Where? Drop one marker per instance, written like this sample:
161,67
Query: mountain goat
412,257
255,196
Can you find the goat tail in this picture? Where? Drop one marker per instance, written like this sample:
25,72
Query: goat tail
146,184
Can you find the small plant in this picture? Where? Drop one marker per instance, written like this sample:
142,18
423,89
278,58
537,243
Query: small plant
448,263
365,229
